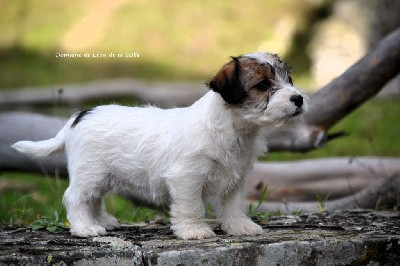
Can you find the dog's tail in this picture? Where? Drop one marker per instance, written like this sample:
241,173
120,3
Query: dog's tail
37,149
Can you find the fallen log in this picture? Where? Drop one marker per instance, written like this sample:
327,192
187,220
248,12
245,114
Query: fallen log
16,126
382,194
160,94
328,177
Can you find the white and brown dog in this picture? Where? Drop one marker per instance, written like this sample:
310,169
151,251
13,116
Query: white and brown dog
181,157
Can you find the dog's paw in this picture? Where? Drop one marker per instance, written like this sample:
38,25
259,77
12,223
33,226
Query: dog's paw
88,231
242,226
109,222
192,231
198,233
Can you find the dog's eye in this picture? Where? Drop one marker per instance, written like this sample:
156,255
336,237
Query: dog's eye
263,85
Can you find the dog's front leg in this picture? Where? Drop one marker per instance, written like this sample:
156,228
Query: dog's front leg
232,214
187,209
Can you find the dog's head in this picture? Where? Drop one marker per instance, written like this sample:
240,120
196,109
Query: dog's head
259,88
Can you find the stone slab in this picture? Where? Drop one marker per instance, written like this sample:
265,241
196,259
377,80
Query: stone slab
358,237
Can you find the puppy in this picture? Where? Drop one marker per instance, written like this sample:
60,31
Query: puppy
181,158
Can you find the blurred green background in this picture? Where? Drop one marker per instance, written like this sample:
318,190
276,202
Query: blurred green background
177,40
182,41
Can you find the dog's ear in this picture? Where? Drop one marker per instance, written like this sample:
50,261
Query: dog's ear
227,83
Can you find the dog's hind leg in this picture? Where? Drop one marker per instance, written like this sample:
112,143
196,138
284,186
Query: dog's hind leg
102,218
82,201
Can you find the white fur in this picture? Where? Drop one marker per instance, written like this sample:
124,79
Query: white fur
178,158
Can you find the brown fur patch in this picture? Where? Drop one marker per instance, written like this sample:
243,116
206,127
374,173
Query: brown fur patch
228,84
256,72
246,79
225,73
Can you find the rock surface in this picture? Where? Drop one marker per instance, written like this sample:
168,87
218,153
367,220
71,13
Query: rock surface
358,237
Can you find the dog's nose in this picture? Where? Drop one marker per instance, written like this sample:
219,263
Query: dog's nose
297,100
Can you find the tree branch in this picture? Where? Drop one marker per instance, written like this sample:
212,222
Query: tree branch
359,83
340,97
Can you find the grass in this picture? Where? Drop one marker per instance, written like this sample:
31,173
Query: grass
40,197
41,200
177,40
258,216
373,130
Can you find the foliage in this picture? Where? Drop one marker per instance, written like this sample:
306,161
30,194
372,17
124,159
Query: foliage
38,196
185,40
321,202
255,214
53,225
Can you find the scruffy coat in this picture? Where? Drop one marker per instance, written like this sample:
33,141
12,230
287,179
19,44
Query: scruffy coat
179,158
